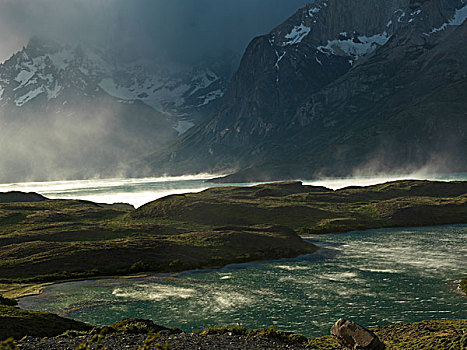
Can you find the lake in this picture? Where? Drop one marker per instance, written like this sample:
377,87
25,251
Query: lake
374,277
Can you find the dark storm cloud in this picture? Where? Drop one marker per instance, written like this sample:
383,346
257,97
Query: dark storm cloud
178,29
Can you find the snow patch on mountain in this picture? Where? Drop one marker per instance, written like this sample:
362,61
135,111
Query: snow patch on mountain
314,10
183,126
20,101
203,80
55,70
212,96
459,17
24,76
401,16
354,47
413,15
54,92
279,59
159,90
109,86
297,34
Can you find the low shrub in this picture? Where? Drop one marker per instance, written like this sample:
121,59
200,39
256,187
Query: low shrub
463,285
139,266
8,344
133,326
272,332
7,301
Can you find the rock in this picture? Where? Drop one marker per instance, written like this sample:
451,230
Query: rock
119,205
354,336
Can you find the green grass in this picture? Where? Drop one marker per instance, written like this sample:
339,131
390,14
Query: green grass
8,344
309,209
436,335
55,240
463,285
133,326
16,323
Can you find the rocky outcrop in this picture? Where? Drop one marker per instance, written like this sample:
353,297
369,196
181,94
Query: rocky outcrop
354,336
336,86
16,196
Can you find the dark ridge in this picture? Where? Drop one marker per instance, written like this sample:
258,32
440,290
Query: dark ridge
17,196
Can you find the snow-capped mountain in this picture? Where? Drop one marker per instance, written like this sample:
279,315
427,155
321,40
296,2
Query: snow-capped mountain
46,69
68,111
338,86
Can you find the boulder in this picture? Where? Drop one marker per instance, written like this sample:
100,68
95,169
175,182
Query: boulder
354,336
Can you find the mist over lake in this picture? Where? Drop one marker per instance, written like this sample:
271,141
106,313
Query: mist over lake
141,191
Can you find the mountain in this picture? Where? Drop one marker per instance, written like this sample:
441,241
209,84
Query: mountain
70,111
340,86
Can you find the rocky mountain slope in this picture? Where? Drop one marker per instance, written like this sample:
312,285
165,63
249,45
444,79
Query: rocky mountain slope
340,86
69,111
45,67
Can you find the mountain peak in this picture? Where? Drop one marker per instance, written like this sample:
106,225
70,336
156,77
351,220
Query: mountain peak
304,91
39,45
46,66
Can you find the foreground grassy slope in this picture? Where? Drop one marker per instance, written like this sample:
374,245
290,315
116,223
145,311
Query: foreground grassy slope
436,335
433,335
17,323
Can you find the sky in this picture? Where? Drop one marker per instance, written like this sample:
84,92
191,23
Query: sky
178,29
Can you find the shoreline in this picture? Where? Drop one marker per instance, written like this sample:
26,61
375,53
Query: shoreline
27,290
37,289
317,235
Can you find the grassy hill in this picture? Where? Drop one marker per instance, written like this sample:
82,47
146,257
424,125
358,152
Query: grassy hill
51,240
311,209
61,239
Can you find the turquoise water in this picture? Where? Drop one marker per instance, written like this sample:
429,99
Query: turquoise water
374,277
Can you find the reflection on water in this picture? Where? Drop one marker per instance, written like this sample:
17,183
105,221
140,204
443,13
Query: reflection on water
373,277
